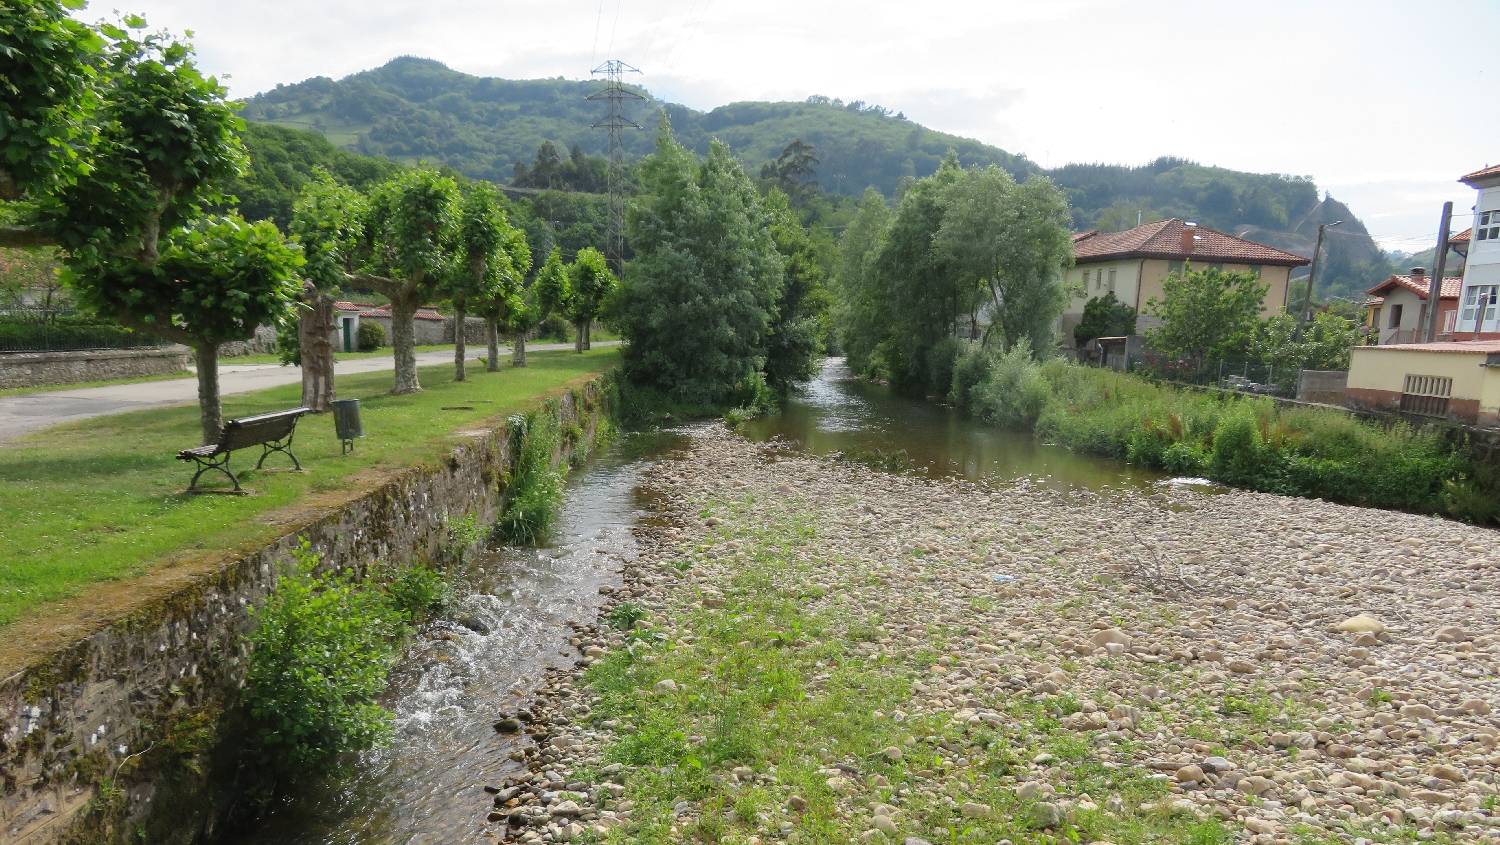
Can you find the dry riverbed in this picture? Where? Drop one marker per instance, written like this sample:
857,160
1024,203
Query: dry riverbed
814,652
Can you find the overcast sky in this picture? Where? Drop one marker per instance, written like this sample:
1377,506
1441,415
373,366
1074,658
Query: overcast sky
1385,104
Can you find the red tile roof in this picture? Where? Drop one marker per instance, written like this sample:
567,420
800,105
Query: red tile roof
1163,239
1477,346
366,310
1462,237
1481,175
1452,286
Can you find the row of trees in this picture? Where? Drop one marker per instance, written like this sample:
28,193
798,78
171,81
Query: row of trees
963,247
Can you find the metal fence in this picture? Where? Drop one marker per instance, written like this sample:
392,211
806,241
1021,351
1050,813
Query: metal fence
1241,376
39,330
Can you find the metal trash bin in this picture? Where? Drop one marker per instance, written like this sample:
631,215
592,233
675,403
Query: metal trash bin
346,423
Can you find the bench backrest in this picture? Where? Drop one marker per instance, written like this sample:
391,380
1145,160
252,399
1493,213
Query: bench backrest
253,431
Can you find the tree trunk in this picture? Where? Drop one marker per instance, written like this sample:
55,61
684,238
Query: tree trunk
492,364
459,350
518,351
578,338
588,341
206,355
404,343
315,329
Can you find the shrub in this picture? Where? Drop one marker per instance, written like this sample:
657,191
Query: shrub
970,367
418,593
370,337
534,486
1184,459
1014,391
1240,455
320,654
555,329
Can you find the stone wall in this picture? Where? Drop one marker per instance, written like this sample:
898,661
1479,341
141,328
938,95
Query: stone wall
474,333
41,369
263,343
70,721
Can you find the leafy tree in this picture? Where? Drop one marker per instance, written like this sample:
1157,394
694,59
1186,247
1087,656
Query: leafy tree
589,283
507,310
1013,241
1205,314
1325,344
698,301
484,263
802,319
1104,316
409,241
578,172
328,220
552,292
216,280
282,160
860,314
794,171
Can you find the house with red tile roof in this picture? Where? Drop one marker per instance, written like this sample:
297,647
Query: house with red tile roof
1479,301
1396,311
430,327
1133,264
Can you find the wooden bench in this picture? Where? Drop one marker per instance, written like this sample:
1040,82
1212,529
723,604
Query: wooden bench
272,432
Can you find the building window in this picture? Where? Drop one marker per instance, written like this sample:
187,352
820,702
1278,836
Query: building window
1395,317
1112,281
1255,270
1375,318
1216,267
1426,395
1174,267
1491,233
1479,308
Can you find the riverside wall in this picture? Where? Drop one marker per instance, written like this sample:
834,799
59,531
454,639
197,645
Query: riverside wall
41,369
133,730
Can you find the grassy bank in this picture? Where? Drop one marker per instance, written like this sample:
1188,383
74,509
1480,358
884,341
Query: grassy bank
102,499
1243,441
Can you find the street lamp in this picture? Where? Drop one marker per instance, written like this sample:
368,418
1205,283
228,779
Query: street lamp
1312,277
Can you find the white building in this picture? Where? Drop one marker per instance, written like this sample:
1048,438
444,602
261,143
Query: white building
1479,304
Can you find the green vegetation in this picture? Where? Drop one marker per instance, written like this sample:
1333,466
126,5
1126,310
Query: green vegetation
102,499
283,160
1205,314
961,242
371,337
767,683
534,486
1104,317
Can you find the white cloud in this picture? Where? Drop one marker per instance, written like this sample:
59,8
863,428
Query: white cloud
1343,92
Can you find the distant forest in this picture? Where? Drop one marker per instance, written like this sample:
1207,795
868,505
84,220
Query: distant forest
537,134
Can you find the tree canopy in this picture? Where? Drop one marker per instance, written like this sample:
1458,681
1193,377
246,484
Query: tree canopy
1206,314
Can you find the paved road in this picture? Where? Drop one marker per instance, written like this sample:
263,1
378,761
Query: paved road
29,412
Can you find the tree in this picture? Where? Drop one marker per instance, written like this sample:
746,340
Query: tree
328,220
698,300
1206,314
409,238
506,308
478,275
794,171
860,313
802,309
216,280
1324,345
1012,241
1104,316
551,293
589,283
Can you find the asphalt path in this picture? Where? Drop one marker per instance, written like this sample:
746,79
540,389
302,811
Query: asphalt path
28,412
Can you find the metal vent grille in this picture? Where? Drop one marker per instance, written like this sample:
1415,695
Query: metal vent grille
1426,395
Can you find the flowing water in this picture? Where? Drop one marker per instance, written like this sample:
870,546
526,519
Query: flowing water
427,785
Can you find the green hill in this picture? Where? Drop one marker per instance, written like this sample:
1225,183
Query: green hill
415,109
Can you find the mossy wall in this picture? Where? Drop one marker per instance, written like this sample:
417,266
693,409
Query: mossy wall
134,732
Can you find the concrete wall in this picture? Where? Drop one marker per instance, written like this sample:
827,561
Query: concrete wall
1377,377
72,717
1326,387
427,332
40,369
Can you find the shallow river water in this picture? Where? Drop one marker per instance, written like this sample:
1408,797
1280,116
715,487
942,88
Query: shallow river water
426,787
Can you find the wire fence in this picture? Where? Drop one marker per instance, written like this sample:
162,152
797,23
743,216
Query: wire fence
1241,376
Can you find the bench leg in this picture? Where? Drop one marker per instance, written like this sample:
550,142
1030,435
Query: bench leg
220,463
282,446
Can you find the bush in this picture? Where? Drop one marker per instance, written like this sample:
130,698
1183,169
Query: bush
418,593
370,337
555,329
70,334
970,367
1013,392
534,488
319,657
1240,455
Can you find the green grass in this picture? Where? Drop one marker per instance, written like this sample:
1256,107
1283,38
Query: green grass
102,498
49,388
382,352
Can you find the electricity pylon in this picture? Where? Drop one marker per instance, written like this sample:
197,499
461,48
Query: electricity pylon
615,92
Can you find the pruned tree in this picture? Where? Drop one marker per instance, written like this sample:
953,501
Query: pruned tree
503,309
476,275
215,281
589,283
409,239
552,292
328,220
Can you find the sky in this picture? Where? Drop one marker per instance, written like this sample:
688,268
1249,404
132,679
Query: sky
1385,104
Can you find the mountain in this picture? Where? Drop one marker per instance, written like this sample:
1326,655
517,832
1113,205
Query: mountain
414,109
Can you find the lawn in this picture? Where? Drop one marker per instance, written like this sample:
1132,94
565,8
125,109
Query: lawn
102,499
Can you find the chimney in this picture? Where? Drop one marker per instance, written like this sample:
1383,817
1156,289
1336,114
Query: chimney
1417,272
1189,234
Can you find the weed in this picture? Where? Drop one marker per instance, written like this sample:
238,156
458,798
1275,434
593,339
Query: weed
624,616
534,487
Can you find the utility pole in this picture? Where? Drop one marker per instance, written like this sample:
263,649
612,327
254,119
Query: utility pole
616,94
1312,277
1439,267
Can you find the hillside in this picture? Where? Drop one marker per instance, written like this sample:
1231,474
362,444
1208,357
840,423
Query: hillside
415,109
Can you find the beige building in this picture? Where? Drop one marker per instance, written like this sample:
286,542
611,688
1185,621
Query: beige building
1134,262
1454,380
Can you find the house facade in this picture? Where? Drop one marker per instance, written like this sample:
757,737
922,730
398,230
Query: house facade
1479,302
1457,380
1134,263
1396,311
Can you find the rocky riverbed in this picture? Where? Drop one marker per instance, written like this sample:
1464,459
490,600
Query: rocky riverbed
811,651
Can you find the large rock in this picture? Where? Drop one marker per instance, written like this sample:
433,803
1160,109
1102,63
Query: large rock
1362,623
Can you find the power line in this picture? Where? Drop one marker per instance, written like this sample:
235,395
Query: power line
598,20
609,51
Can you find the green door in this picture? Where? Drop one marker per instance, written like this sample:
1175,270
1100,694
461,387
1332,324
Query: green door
348,340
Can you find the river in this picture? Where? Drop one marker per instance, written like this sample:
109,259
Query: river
426,786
